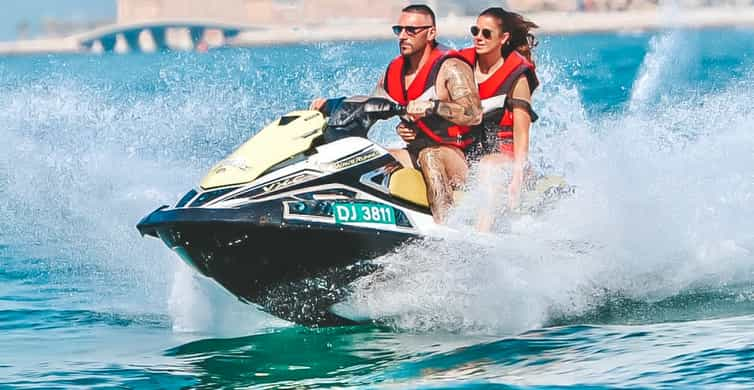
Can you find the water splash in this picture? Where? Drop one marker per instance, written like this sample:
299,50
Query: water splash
665,58
199,305
90,152
85,161
662,207
661,211
489,283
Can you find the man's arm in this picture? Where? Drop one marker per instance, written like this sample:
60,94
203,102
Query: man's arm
463,107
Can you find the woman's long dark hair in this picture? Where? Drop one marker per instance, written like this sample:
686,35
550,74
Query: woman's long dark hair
519,28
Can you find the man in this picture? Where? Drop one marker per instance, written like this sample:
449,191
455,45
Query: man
442,101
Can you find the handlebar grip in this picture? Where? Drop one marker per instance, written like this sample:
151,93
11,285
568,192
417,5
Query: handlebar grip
400,109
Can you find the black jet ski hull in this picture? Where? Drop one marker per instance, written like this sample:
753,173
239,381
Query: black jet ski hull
293,270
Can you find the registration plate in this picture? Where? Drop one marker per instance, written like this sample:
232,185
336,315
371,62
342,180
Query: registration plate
363,213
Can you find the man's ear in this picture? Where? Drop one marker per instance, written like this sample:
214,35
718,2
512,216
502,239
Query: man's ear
432,34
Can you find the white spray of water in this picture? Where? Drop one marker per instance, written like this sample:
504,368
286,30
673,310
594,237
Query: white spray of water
69,198
665,58
85,161
653,68
482,282
82,165
200,305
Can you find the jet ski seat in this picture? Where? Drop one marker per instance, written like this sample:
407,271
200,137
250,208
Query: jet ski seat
408,184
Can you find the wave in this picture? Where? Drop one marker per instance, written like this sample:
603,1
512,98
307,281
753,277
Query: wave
48,320
594,357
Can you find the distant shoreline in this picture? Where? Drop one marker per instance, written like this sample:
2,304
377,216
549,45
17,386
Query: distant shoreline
551,23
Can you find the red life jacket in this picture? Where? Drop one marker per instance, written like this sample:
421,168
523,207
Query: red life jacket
433,126
494,93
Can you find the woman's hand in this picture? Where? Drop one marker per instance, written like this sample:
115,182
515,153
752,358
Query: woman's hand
514,190
406,133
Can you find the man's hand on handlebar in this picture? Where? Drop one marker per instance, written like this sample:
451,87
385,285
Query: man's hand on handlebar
418,109
407,134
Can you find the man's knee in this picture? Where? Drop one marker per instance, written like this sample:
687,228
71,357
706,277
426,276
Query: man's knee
455,164
430,157
402,156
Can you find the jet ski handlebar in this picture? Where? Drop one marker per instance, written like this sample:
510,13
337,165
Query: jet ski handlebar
354,116
381,108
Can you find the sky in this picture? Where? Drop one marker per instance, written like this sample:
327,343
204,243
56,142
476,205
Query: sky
14,11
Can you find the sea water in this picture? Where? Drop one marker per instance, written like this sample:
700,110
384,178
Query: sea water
644,278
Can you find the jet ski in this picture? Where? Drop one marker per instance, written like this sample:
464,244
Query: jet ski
293,216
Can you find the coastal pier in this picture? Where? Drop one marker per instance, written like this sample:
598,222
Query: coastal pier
158,35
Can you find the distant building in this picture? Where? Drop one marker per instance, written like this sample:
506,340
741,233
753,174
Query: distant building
232,11
302,12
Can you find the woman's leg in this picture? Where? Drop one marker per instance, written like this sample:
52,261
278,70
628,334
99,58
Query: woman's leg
492,185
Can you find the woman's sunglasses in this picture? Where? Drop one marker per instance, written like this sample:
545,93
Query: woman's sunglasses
410,30
486,33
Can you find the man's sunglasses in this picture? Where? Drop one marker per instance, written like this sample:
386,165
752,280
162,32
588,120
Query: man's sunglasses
486,33
410,30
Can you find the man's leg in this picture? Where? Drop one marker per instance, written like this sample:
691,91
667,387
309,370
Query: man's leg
403,157
444,168
456,166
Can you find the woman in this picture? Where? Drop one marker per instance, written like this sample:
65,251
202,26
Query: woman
506,77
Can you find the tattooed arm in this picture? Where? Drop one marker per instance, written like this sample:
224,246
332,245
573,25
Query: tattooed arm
463,106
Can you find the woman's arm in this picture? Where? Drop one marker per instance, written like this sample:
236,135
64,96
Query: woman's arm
521,124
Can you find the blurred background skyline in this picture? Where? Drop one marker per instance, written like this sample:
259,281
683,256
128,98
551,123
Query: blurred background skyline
50,18
122,26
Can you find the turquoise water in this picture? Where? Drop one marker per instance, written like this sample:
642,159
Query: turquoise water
644,279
